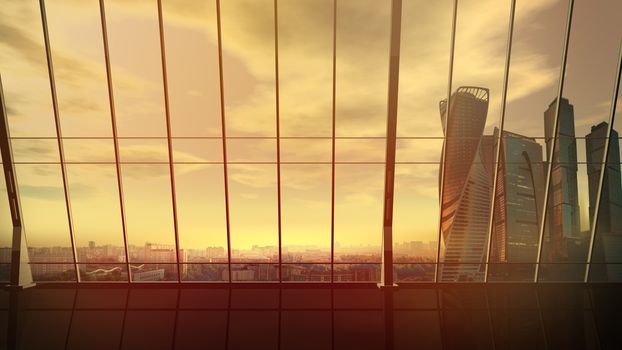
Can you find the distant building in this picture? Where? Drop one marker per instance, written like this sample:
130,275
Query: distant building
610,214
519,204
164,257
151,275
465,202
563,207
322,273
520,187
215,252
608,240
239,275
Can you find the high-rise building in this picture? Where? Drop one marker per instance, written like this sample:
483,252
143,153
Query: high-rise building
563,207
608,240
518,206
465,204
610,213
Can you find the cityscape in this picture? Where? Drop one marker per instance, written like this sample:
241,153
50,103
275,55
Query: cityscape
519,198
310,174
157,262
468,177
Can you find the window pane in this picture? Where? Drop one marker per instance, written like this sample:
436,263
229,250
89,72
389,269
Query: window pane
192,59
583,113
306,150
201,212
607,251
44,212
197,150
520,198
424,62
206,272
58,272
359,196
143,150
35,151
305,67
149,214
134,40
419,150
253,212
251,150
306,212
415,213
155,272
471,129
89,150
248,63
80,73
533,83
96,213
254,272
362,67
24,70
360,150
306,273
357,273
103,272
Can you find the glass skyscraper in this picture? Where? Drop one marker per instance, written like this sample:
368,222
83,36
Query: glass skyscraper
563,211
518,207
465,204
608,240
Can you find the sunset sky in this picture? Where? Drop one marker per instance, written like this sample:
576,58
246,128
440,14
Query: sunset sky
305,34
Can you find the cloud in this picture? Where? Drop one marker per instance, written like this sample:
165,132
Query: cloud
52,193
305,82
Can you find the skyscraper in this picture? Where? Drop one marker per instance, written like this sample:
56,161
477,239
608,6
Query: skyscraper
465,204
610,213
563,206
518,208
608,240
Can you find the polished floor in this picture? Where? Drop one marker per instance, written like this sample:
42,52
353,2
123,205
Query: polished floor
294,316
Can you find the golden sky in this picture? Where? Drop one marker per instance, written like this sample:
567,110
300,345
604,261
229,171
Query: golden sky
305,83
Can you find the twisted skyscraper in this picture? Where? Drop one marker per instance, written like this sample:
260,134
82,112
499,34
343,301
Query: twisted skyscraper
465,202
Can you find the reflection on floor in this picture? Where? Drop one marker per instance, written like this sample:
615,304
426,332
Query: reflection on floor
264,316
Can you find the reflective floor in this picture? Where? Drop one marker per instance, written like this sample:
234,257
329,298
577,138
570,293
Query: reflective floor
262,316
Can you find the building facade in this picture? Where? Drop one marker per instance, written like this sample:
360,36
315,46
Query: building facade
564,230
518,207
608,240
465,202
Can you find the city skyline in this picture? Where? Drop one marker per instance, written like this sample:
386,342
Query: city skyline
76,42
321,180
522,168
311,174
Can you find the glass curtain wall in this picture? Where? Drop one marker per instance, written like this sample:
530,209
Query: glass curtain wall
244,140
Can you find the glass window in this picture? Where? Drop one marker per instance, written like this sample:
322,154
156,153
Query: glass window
253,212
248,64
192,63
96,213
533,83
590,75
149,213
305,67
306,212
44,212
79,70
359,196
24,71
469,125
134,40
